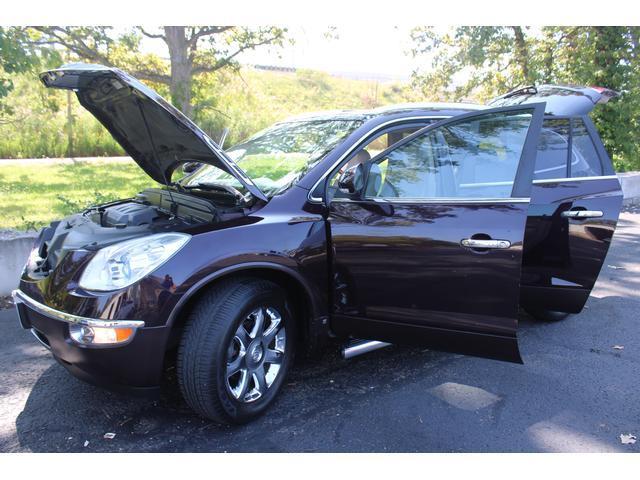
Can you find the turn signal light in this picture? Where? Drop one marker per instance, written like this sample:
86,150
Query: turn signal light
85,335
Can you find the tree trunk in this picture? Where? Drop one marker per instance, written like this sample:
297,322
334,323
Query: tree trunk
522,54
181,68
548,58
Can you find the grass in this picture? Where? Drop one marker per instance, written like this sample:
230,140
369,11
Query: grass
34,195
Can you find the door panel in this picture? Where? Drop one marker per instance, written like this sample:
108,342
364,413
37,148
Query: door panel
571,220
402,272
563,255
404,264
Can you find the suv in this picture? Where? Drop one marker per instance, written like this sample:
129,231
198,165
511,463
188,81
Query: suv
425,224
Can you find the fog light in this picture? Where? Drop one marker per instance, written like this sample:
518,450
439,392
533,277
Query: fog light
99,335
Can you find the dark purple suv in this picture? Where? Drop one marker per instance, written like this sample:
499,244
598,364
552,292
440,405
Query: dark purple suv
421,224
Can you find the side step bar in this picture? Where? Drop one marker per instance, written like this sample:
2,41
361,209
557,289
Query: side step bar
358,347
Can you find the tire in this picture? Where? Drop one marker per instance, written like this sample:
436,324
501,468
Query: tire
546,315
221,336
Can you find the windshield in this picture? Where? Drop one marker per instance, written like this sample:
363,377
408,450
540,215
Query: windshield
276,158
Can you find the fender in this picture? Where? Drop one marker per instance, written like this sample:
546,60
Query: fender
202,283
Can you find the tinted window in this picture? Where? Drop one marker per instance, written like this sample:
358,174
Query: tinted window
473,158
584,159
553,150
363,154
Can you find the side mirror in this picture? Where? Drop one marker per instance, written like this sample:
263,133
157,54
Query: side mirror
190,167
352,180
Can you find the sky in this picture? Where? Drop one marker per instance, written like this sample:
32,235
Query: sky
359,51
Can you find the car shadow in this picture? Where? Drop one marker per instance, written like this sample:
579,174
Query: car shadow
395,399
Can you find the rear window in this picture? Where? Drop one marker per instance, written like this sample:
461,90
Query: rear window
584,159
551,159
553,149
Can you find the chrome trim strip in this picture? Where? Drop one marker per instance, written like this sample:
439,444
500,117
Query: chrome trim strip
21,297
574,179
486,184
362,347
436,200
359,142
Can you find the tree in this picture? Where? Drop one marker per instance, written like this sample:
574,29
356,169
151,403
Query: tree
17,55
478,63
488,58
192,51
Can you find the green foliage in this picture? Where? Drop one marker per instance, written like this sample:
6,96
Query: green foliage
244,101
478,63
18,54
251,100
37,126
34,195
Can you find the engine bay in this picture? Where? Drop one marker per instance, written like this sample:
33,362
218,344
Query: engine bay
154,210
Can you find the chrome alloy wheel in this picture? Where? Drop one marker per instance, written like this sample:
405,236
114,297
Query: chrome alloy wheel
255,354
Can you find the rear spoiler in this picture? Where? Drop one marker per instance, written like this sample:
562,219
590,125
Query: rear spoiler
560,99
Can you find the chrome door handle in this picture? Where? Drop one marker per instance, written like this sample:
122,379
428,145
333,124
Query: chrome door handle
477,243
582,214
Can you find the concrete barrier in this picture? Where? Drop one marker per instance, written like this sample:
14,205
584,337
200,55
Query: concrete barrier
630,182
14,250
15,246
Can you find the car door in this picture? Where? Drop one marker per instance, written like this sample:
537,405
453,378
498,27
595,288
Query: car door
428,251
575,199
575,202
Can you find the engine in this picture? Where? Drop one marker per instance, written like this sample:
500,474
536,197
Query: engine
152,211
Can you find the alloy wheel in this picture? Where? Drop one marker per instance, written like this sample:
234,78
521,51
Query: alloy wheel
255,354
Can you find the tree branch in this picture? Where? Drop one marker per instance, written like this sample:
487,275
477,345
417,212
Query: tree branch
151,35
71,43
227,60
206,31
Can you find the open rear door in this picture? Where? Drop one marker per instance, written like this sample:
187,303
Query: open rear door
575,200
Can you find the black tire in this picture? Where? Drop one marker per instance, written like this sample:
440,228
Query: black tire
546,315
212,333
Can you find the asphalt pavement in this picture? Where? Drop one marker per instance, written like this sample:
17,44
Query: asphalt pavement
578,391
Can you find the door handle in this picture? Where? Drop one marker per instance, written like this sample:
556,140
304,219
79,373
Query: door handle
582,214
481,243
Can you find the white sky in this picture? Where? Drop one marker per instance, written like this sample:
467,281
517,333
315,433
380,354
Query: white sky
359,51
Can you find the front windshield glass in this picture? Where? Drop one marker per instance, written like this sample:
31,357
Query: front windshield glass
276,158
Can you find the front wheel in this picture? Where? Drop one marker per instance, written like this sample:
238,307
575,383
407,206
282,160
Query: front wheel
236,350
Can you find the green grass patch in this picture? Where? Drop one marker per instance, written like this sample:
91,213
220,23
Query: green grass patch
34,195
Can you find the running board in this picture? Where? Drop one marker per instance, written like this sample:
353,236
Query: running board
358,347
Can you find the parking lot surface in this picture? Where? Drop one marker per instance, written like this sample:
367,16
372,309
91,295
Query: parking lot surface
578,391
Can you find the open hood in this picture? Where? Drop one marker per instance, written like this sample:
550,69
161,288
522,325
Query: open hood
153,132
560,99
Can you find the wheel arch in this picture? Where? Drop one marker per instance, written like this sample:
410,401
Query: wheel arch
303,298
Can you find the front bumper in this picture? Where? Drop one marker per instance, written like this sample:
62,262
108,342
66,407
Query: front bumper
135,366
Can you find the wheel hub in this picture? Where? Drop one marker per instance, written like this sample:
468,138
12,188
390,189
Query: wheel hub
256,352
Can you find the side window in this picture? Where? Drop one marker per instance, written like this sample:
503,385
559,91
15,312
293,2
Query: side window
473,158
375,146
553,149
585,161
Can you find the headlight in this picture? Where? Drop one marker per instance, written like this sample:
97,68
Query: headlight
124,263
